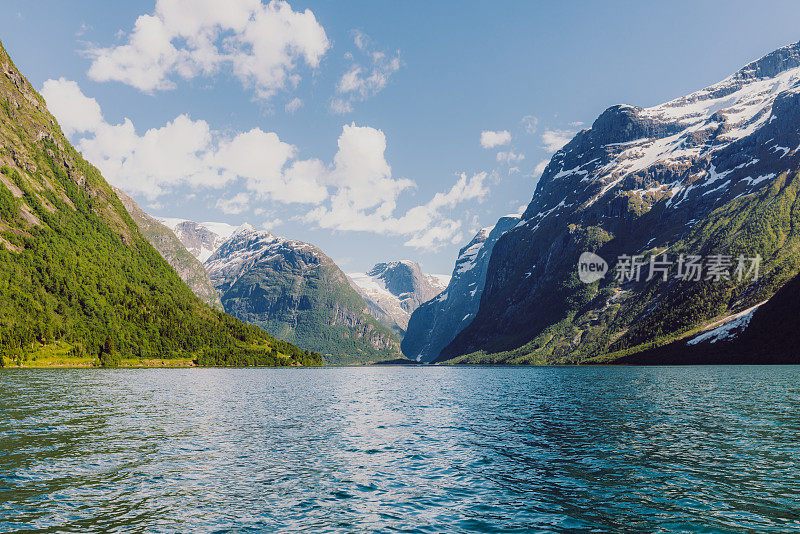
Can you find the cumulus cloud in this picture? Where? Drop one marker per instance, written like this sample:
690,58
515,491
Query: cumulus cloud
181,152
427,226
355,192
492,139
261,44
65,100
363,81
366,198
555,139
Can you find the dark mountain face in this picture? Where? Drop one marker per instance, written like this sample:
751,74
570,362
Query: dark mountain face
767,334
435,323
295,291
714,172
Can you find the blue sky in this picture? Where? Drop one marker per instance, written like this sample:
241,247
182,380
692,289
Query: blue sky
357,126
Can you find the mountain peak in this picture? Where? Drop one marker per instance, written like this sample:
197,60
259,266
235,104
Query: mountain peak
246,228
772,64
397,288
379,269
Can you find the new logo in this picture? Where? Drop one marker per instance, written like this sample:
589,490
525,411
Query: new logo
591,267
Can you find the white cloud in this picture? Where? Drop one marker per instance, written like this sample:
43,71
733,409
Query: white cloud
555,139
539,169
509,157
491,139
76,112
427,225
361,82
181,152
293,105
366,196
261,43
576,124
355,192
234,206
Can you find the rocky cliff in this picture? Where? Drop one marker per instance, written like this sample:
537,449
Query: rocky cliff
434,324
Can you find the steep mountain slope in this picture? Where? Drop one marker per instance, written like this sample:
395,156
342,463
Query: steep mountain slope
294,290
396,289
201,239
171,249
711,173
76,272
434,324
765,334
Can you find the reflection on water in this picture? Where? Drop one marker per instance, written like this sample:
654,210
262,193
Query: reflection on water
401,449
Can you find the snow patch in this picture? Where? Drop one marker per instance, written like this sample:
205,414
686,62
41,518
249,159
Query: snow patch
735,325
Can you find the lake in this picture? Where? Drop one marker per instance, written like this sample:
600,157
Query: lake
401,449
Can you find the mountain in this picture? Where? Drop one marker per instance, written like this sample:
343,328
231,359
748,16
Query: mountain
393,290
434,324
201,239
294,290
714,173
764,334
77,278
171,249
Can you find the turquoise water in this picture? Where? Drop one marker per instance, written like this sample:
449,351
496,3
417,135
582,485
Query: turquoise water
695,449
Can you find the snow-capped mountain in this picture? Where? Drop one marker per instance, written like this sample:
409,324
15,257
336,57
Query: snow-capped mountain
435,323
201,239
298,294
711,172
396,289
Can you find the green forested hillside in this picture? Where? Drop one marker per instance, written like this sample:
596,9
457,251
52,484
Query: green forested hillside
171,249
76,273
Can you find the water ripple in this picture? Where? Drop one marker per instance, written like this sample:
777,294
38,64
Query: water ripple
703,449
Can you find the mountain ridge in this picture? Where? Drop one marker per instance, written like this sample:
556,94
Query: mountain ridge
680,176
435,323
293,289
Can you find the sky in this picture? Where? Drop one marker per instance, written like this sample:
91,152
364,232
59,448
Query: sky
376,130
